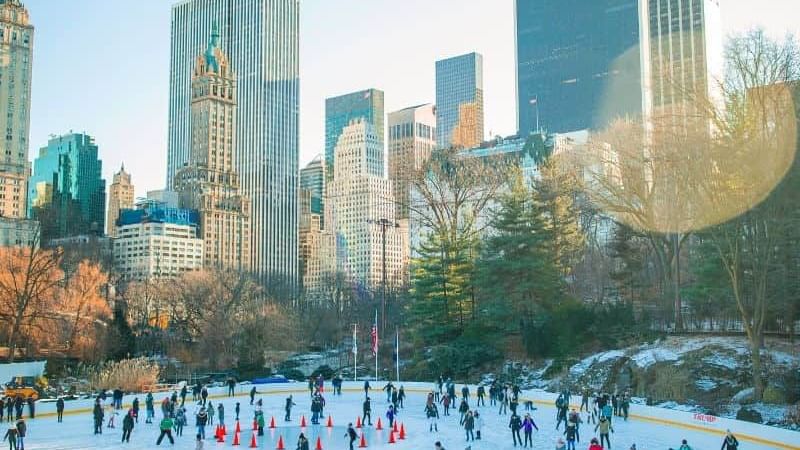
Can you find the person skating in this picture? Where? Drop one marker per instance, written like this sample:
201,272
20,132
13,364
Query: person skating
302,442
481,394
351,433
503,399
516,390
127,426
432,413
730,442
135,409
401,395
220,414
97,414
210,412
184,391
625,405
446,405
252,395
166,430
513,405
478,425
149,405
366,388
585,399
465,393
604,426
390,415
31,407
515,424
594,445
22,430
315,411
204,395
9,409
3,407
18,405
388,388
463,408
231,386
607,412
59,409
260,422
684,446
11,437
288,409
528,425
200,421
366,411
469,426
112,416
571,432
561,415
181,420
237,410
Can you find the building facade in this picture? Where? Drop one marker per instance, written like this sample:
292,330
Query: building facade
355,197
459,101
154,241
120,196
210,183
578,63
15,232
66,192
261,40
364,105
16,62
312,186
412,139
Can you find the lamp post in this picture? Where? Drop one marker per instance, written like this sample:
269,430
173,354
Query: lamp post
384,224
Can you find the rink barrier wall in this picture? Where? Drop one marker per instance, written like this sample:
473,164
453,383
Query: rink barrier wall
778,438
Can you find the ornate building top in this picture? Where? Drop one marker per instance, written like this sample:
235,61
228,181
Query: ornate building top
213,61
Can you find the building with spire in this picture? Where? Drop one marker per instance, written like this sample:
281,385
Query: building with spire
16,63
209,183
120,196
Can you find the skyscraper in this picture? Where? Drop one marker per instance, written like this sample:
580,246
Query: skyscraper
577,63
16,58
67,193
412,139
682,51
312,182
260,38
340,111
120,196
210,183
459,101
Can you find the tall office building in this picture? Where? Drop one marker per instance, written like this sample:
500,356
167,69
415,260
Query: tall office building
357,196
312,182
66,192
682,51
16,58
364,105
412,139
578,63
260,38
459,101
120,196
210,183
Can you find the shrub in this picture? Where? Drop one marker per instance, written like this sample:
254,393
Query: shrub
130,375
773,394
671,383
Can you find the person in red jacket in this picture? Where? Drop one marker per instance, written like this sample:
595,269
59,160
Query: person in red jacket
595,445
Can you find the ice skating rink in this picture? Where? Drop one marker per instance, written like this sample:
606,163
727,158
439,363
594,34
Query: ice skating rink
650,429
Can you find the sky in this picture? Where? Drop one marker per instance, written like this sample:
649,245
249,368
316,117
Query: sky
102,66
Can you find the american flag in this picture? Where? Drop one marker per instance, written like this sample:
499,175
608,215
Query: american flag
374,335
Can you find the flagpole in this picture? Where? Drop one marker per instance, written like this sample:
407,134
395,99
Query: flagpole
377,344
397,352
355,352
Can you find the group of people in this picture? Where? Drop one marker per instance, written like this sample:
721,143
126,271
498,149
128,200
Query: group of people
11,408
15,435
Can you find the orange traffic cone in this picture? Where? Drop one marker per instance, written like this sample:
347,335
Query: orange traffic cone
394,427
402,432
378,426
363,442
238,427
358,422
319,444
303,422
217,432
255,424
280,443
272,422
253,443
220,437
391,438
330,422
236,439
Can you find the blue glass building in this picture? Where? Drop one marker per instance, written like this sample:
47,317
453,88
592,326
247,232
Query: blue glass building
459,101
578,63
340,111
66,192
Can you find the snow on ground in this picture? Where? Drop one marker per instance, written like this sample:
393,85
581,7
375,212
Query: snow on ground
76,430
583,366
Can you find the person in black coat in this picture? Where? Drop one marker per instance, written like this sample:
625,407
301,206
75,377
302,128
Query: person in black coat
97,413
60,409
127,426
515,424
730,442
367,412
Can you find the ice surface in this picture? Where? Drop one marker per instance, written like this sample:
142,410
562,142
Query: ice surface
76,430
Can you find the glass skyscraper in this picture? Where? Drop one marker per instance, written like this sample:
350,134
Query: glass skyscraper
459,101
67,193
364,105
578,63
261,38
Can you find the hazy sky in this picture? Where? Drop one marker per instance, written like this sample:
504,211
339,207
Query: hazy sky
102,66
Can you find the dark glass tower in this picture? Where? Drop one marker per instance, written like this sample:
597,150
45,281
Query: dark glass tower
578,63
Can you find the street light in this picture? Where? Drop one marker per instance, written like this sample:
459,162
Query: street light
384,224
